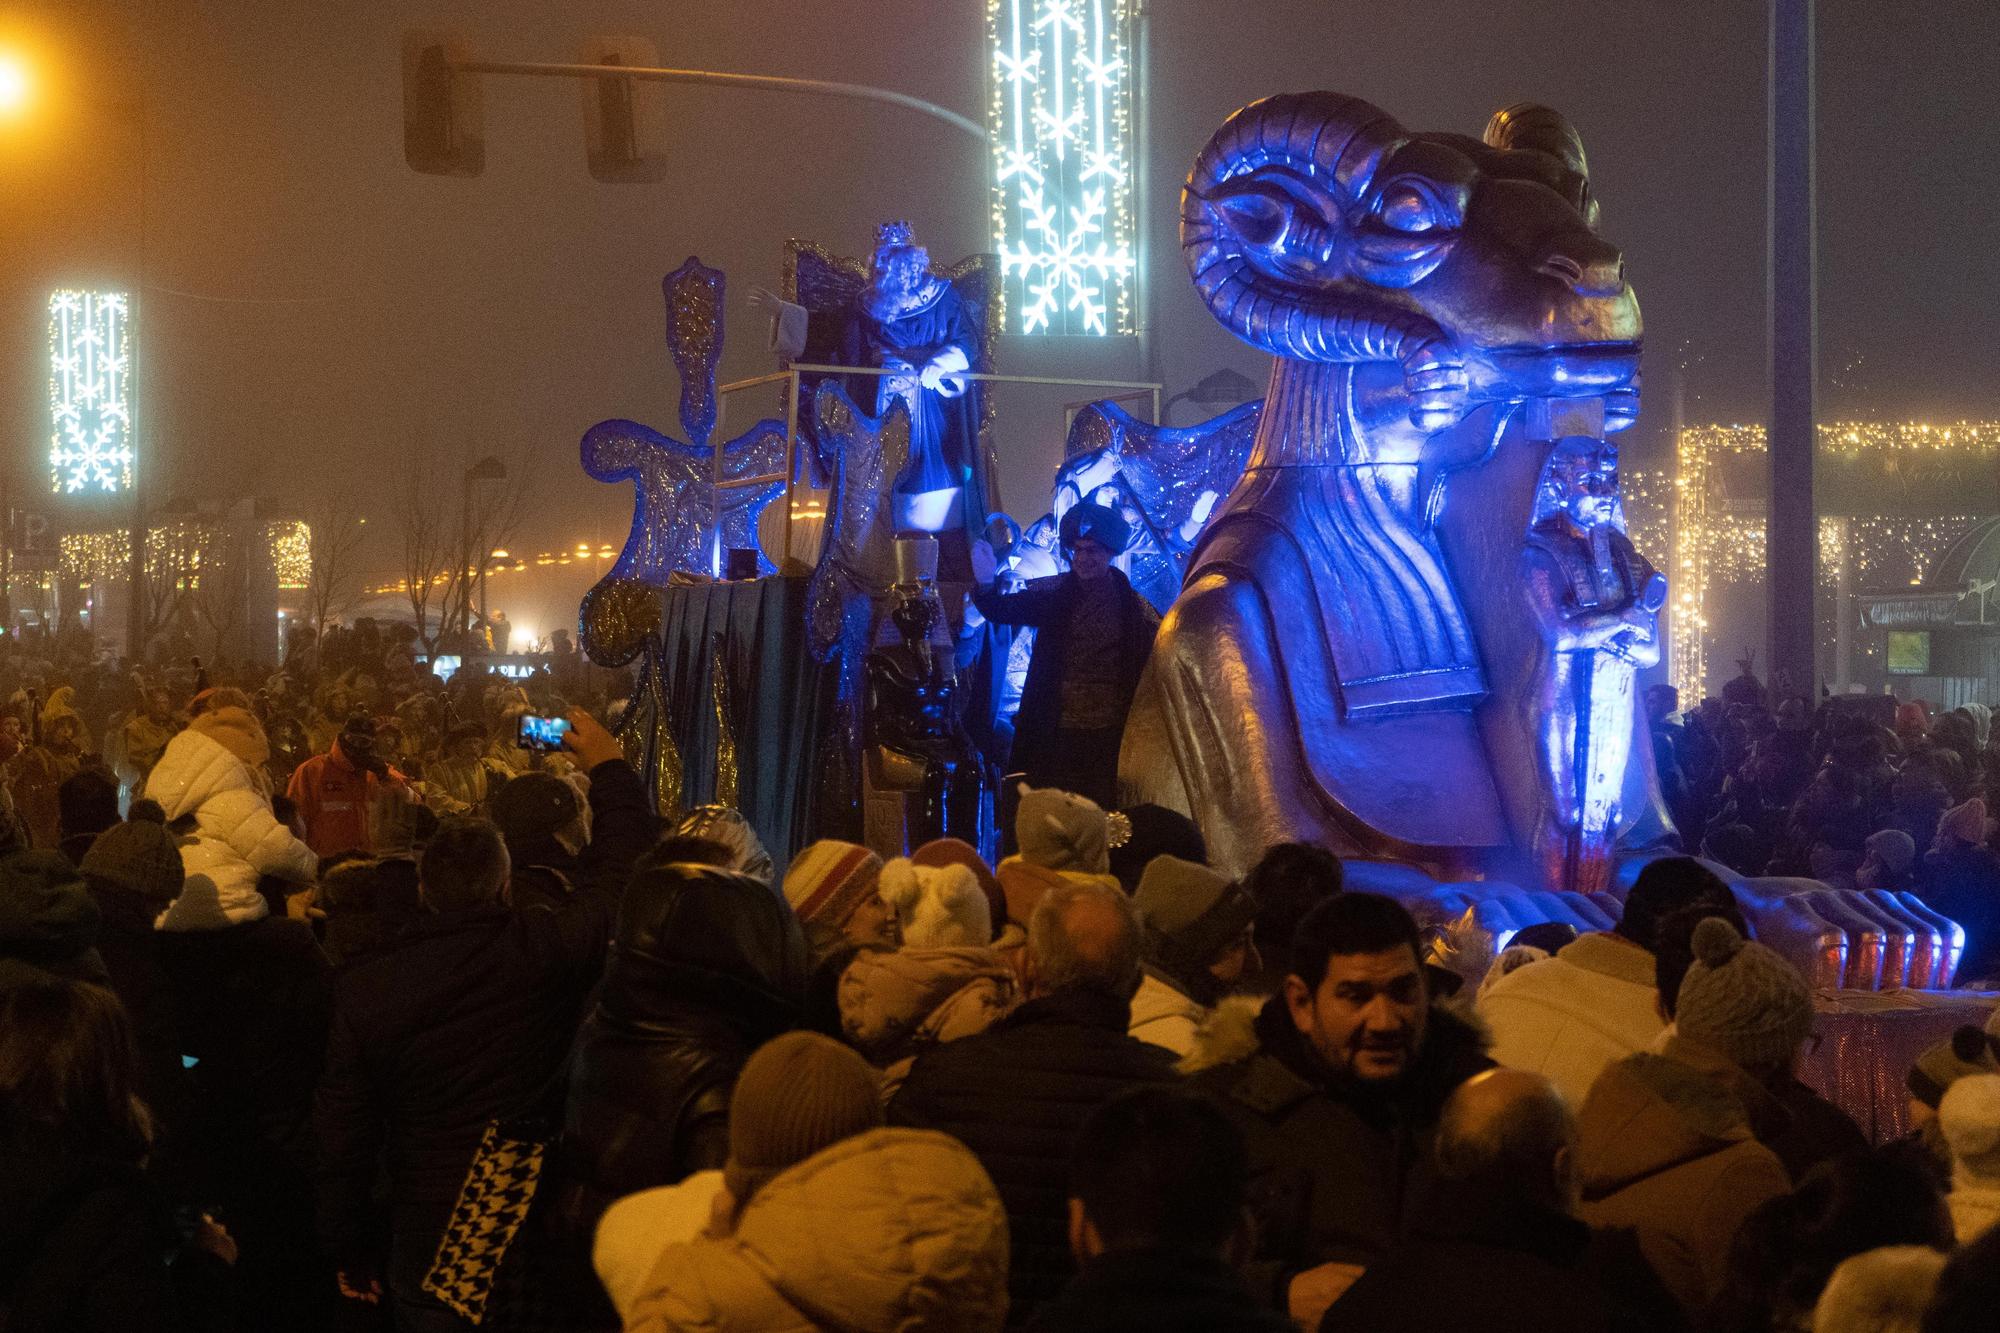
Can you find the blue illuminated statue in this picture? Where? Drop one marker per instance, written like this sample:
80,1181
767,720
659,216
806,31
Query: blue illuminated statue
1596,602
1349,656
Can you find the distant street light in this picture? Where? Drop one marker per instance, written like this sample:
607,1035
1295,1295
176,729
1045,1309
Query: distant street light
17,84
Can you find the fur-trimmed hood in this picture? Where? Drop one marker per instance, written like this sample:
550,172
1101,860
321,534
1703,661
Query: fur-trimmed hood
1648,1113
1227,1035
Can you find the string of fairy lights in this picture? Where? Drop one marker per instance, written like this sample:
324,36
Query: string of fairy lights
177,550
1713,543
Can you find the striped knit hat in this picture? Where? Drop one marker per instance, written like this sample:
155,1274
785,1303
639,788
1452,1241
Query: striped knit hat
829,879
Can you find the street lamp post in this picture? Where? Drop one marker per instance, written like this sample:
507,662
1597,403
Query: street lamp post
488,468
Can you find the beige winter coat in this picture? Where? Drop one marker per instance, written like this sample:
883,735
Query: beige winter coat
895,1004
1571,1015
895,1229
1666,1150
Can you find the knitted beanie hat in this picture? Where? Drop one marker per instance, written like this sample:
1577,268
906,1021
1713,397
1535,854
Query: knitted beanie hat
958,852
46,917
1060,830
1191,912
1895,849
237,731
139,858
1966,823
798,1094
1742,1000
1969,1118
936,907
829,879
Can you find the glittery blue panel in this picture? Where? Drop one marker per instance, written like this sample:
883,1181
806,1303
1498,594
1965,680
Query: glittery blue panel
693,294
674,481
1168,481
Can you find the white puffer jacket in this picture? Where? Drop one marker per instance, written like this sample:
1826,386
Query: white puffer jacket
236,837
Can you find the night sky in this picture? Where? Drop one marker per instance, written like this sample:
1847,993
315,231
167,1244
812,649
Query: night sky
314,310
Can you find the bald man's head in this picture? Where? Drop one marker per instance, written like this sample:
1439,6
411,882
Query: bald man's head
1510,1131
1085,934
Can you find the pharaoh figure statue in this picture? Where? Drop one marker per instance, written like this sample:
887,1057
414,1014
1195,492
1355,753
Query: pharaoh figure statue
1596,603
917,328
1341,665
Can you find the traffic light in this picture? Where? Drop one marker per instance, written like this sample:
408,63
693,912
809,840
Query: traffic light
624,119
444,132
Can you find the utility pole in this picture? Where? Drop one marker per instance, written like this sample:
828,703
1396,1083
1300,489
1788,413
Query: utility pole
1792,537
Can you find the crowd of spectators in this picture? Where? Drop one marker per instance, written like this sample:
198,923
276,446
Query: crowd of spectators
408,1027
1861,792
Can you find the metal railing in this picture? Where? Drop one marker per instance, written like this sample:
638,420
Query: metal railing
790,378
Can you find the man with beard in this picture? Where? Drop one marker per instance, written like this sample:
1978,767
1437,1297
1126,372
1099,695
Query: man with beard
1337,1086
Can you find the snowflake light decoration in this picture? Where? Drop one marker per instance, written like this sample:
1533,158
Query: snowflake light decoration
1060,111
90,388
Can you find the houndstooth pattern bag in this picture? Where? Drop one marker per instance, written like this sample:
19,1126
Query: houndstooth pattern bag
493,1203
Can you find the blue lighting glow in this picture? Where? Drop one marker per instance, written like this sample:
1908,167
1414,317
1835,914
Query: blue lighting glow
90,388
1060,110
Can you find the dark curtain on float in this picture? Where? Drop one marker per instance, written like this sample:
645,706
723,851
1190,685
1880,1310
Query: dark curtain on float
746,704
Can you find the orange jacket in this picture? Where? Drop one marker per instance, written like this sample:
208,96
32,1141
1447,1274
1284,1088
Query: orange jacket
334,797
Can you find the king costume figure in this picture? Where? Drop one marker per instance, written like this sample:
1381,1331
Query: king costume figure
914,325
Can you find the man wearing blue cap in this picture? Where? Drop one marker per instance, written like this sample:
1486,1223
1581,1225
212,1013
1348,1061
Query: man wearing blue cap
1094,634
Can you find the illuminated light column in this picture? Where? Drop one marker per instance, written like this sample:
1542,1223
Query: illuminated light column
1061,87
90,393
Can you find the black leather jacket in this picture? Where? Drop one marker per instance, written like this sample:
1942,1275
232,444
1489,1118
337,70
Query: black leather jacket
708,965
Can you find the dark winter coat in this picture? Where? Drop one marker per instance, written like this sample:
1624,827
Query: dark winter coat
1045,604
708,966
253,1002
1016,1095
465,1020
1335,1167
1158,1291
130,948
1524,1268
84,1243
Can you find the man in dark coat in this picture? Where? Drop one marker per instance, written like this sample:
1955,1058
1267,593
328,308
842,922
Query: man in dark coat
708,965
466,1020
1018,1093
1093,635
134,873
1338,1090
1497,1231
1157,1223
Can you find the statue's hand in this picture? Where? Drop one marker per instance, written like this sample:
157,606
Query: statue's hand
763,298
1434,376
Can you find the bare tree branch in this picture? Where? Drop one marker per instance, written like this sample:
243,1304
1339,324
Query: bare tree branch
428,551
332,575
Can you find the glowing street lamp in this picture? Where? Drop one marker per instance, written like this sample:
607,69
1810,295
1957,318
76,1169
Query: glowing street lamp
17,84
